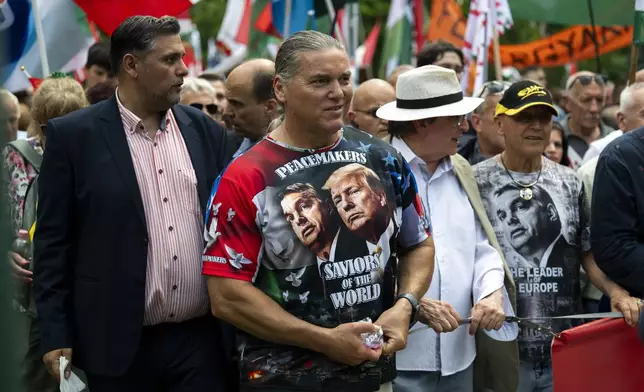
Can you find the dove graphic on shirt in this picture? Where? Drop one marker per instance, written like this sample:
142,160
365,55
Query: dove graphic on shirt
215,209
211,233
236,260
304,297
295,277
285,296
231,214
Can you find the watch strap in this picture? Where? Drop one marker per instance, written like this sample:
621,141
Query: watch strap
414,305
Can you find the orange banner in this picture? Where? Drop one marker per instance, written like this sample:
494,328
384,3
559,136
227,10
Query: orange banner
570,45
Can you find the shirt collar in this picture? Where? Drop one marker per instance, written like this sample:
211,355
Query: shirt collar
133,121
445,164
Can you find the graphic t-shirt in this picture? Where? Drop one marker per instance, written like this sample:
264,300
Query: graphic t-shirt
542,239
317,231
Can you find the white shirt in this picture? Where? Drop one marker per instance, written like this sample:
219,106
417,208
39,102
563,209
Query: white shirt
466,266
595,148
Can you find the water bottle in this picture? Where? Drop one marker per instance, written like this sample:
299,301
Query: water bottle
22,246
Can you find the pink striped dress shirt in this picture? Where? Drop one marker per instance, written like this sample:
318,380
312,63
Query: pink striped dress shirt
175,290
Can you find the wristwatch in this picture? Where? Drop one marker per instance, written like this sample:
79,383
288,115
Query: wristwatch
414,307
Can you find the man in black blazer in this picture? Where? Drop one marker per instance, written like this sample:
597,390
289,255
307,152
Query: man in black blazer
118,243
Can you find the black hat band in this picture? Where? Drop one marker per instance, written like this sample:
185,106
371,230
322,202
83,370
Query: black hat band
428,103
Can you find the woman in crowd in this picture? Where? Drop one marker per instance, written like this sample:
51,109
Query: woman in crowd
557,149
56,97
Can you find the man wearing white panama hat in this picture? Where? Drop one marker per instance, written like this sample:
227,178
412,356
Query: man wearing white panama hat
425,123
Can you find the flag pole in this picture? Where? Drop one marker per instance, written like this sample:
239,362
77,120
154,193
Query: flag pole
287,19
497,55
336,27
40,36
633,64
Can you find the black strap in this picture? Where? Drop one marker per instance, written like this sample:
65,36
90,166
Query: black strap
428,103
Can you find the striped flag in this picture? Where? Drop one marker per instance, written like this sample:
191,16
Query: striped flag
638,25
397,47
479,34
67,40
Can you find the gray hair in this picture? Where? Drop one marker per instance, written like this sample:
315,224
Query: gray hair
197,85
626,97
6,95
139,34
287,62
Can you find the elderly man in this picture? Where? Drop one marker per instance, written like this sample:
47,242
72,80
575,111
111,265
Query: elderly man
217,82
488,141
368,97
584,101
9,113
540,215
300,320
251,102
201,95
630,117
120,230
426,134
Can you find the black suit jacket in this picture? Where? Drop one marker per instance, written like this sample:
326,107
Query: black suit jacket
91,240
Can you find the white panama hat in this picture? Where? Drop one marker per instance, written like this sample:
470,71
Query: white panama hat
426,92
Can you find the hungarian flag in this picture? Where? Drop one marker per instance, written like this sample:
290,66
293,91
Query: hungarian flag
397,49
235,28
638,26
109,14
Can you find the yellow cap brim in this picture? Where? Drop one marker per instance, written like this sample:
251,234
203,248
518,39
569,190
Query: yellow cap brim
500,109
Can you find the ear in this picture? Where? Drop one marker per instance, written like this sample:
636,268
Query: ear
621,121
351,115
498,121
476,122
279,88
270,107
565,101
552,213
130,65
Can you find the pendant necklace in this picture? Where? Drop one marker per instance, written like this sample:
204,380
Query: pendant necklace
525,191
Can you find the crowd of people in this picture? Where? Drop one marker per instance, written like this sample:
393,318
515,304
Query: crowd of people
277,230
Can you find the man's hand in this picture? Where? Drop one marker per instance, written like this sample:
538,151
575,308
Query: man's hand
488,313
621,301
439,315
18,266
345,344
52,361
395,326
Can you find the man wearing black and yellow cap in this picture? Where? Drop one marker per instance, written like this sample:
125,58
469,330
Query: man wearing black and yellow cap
541,218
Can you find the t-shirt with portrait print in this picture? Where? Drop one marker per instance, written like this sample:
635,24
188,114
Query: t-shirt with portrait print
543,234
318,231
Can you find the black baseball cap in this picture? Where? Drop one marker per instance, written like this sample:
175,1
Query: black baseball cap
522,95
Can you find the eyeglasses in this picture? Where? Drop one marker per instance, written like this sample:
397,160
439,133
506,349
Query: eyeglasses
493,87
585,80
371,112
211,108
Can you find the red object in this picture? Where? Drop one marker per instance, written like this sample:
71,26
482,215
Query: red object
604,355
35,83
419,23
370,45
264,21
108,14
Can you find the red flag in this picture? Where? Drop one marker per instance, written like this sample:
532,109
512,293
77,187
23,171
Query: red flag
108,14
604,355
419,24
370,45
35,83
264,21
